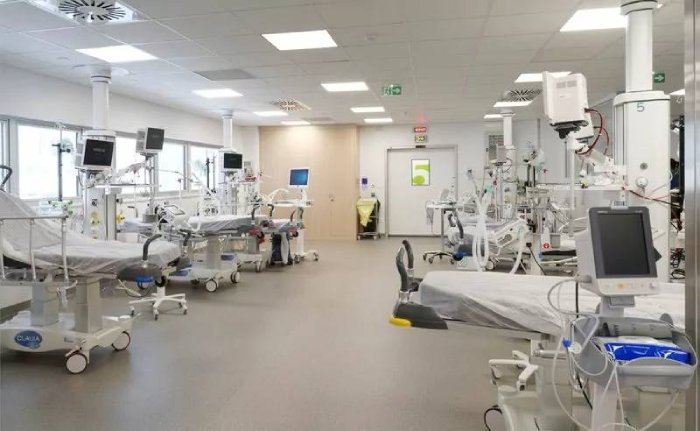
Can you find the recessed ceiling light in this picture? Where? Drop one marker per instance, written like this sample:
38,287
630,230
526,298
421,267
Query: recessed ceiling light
512,104
271,113
217,93
493,116
337,87
295,123
679,93
301,40
367,109
378,120
596,19
118,54
537,77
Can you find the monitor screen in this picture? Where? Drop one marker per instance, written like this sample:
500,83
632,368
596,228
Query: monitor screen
233,161
623,245
155,139
98,153
299,178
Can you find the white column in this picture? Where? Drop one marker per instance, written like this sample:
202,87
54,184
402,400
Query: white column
227,121
101,78
639,58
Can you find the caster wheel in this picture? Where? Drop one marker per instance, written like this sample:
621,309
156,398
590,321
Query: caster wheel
490,266
297,259
316,257
430,260
211,285
440,257
155,316
76,363
195,282
132,312
452,261
235,277
163,281
122,342
184,311
258,267
425,258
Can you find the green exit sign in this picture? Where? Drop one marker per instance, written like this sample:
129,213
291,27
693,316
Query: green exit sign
659,77
392,90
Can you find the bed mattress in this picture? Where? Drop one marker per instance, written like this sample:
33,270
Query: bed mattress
519,302
221,223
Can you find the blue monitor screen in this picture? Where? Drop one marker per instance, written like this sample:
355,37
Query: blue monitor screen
299,177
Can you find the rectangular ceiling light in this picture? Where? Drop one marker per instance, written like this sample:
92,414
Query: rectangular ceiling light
270,114
493,116
118,54
301,40
512,104
537,77
378,120
367,109
295,123
596,19
339,87
217,93
679,93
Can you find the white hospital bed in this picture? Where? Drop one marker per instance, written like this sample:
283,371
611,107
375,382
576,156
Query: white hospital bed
40,253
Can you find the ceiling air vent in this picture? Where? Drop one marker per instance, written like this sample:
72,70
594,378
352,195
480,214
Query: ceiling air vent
89,11
521,95
290,105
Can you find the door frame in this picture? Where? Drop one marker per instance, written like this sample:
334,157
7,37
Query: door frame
387,196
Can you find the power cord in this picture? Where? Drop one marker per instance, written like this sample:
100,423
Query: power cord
493,408
532,256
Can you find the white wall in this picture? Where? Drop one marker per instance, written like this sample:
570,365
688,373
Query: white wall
31,95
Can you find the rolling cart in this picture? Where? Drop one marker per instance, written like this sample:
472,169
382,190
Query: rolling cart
368,218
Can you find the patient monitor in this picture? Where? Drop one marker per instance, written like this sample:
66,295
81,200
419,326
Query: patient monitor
95,154
231,161
299,178
616,253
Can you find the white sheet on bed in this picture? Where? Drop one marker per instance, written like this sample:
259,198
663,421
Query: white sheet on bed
219,223
519,302
85,255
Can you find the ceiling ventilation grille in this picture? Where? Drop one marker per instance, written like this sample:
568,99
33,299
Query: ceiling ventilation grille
92,10
290,105
521,95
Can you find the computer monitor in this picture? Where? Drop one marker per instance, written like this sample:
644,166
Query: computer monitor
232,162
96,154
299,178
150,140
617,252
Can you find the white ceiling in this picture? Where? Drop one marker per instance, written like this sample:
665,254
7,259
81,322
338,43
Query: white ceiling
454,58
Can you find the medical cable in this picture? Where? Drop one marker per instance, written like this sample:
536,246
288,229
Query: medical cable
532,256
493,408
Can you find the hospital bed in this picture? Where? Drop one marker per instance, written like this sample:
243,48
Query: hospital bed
517,307
40,253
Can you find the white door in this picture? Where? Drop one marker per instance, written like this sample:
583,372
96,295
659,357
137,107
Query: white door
406,213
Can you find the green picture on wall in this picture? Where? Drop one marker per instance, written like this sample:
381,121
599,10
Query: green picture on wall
420,172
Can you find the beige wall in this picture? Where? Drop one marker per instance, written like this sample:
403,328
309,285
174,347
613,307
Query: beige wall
332,153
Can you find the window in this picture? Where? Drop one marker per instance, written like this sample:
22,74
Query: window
4,152
198,165
38,162
125,155
172,159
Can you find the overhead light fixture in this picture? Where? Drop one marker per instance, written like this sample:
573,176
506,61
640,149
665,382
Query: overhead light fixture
367,109
537,77
217,93
118,54
301,40
516,104
493,117
595,19
295,123
679,93
339,87
378,120
271,114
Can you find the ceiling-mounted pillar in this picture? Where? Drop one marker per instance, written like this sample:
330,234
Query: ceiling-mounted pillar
508,130
639,44
101,77
227,121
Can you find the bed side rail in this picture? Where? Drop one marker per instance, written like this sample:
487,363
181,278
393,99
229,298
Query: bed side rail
7,176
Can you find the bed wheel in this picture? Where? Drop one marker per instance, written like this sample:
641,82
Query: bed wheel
316,257
132,312
155,315
195,282
211,285
235,277
76,363
297,259
122,342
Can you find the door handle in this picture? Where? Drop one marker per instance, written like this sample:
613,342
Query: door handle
331,197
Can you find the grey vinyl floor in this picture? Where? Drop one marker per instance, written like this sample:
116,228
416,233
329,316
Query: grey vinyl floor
301,348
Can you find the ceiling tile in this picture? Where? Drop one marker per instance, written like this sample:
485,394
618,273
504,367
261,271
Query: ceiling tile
379,51
360,13
179,48
525,24
140,32
64,58
74,38
518,7
456,47
577,39
317,55
18,43
237,44
179,8
155,67
275,71
272,58
282,19
421,10
206,26
202,63
447,29
21,16
330,68
567,54
513,57
369,35
511,43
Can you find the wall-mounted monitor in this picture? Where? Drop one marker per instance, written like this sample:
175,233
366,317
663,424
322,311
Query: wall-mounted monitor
150,140
232,162
96,154
299,178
